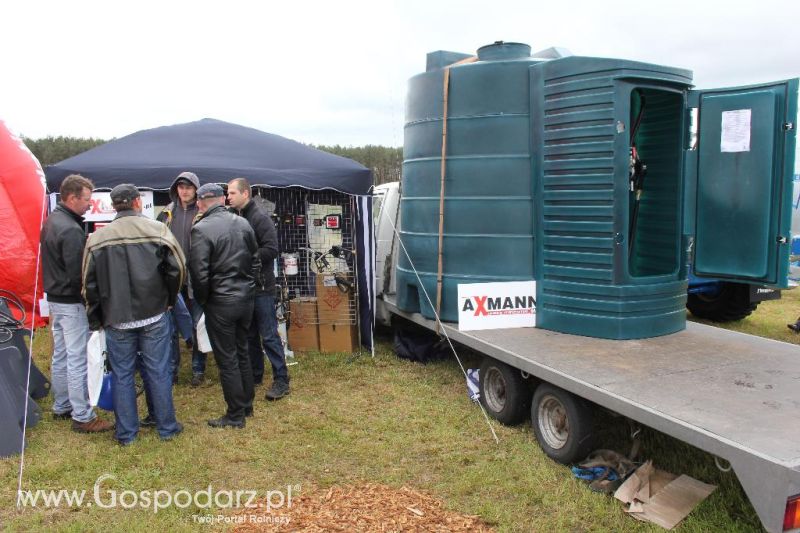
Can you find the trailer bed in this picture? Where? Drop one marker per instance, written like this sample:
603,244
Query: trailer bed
734,395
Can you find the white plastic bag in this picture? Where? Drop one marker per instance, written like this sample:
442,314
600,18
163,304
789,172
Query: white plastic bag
95,364
473,384
203,344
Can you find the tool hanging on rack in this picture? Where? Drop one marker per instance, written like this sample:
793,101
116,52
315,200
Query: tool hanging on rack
331,262
637,171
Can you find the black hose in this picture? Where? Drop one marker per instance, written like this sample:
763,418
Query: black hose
638,122
9,324
639,171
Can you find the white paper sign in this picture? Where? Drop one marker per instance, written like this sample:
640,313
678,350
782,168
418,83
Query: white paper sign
100,209
735,131
497,305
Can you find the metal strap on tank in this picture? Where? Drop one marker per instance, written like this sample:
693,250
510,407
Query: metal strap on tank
445,93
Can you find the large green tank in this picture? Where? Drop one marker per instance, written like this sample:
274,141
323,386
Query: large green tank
609,262
538,168
488,223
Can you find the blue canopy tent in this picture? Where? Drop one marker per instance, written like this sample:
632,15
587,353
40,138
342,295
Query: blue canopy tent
219,151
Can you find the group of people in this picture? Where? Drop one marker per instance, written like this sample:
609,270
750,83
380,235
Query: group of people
131,277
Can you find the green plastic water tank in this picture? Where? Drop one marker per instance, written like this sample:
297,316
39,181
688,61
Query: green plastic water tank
488,223
606,267
538,187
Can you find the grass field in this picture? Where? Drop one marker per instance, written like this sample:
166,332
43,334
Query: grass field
352,421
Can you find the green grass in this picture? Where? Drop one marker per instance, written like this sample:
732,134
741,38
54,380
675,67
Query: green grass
359,420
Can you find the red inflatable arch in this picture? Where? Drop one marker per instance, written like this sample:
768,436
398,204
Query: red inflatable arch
22,203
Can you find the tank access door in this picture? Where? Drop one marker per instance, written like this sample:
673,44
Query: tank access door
741,177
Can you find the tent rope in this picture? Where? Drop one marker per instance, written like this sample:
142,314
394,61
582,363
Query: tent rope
30,354
440,326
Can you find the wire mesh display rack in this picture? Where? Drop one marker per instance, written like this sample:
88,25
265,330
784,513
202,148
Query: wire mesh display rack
316,236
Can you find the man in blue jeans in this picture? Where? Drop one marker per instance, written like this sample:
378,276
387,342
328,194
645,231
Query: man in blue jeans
63,239
133,269
179,215
264,327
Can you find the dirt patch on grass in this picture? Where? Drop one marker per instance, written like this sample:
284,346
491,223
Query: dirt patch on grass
368,507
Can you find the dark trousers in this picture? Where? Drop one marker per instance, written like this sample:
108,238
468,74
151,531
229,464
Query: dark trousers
198,357
265,328
227,326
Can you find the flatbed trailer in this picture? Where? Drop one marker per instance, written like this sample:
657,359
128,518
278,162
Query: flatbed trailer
730,394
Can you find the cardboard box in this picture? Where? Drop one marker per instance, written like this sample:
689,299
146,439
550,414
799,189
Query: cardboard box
660,497
303,332
337,321
338,338
333,305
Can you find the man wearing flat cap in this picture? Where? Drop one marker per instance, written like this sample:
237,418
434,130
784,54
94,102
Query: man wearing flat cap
224,265
133,269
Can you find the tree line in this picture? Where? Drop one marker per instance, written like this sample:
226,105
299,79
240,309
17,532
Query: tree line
384,161
51,150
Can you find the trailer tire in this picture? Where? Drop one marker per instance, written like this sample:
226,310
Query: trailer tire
504,393
731,303
562,424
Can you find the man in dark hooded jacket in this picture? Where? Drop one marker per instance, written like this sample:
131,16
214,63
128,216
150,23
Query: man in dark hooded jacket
179,215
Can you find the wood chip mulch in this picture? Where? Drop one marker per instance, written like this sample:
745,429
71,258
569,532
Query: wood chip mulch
368,507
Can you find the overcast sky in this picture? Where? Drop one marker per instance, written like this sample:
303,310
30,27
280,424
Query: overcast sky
335,72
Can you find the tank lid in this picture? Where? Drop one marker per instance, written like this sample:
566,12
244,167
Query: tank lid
499,50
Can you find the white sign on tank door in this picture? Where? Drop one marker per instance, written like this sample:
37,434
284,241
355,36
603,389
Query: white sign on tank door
735,131
501,305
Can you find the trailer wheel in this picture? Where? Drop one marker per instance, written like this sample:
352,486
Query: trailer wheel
504,392
731,303
562,424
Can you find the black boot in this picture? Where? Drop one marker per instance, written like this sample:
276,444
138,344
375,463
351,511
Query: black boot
277,390
224,421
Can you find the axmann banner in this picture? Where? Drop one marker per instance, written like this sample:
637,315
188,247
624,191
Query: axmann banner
101,210
497,305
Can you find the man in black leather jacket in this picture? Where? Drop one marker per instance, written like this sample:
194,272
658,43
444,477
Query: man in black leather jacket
63,239
265,321
224,266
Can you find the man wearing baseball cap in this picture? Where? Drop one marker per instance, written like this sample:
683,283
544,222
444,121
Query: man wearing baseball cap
224,265
133,269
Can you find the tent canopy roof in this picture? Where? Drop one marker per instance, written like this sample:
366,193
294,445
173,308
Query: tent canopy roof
217,152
